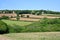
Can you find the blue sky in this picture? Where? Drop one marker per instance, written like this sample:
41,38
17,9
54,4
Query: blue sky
30,4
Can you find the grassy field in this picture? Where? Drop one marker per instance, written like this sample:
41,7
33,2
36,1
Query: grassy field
44,25
33,27
20,23
34,36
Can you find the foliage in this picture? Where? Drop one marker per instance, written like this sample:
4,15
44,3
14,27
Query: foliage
11,17
22,15
16,29
44,25
0,18
16,26
18,17
27,16
3,27
4,17
30,11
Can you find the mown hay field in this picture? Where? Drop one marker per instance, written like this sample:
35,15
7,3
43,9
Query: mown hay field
34,36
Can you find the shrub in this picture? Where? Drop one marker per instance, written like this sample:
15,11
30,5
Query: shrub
44,25
5,17
38,14
12,17
3,27
16,29
50,21
27,16
0,18
22,15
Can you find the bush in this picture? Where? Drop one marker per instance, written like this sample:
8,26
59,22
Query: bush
4,17
22,15
16,29
3,27
11,17
0,18
50,21
27,16
38,14
44,25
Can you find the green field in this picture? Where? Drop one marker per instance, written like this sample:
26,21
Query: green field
20,23
44,25
34,36
45,29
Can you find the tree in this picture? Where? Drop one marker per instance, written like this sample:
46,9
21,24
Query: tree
33,12
27,16
18,17
37,13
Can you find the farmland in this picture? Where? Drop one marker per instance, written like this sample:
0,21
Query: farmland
43,25
20,23
35,26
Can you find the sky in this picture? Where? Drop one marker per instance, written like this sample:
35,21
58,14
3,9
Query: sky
30,5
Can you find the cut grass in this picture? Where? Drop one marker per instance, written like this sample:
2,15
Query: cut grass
34,36
19,23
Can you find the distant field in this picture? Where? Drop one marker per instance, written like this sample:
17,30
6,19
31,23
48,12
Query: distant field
19,23
34,36
37,17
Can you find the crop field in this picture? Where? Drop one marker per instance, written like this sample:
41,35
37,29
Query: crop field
31,36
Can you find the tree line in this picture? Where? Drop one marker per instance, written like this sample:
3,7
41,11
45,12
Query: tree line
34,12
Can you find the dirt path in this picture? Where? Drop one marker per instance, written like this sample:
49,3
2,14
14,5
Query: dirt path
2,37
